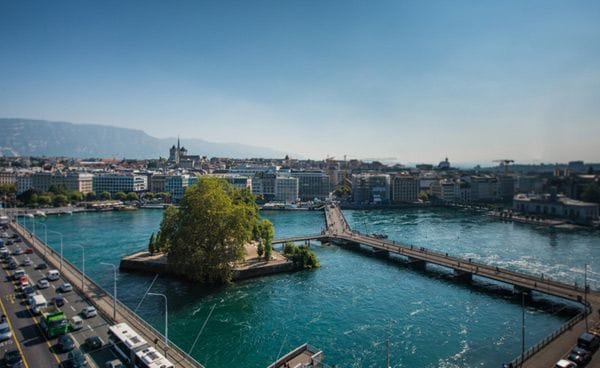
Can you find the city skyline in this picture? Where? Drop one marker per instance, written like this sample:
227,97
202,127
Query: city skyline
415,81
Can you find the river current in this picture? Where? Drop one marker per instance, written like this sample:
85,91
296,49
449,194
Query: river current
352,304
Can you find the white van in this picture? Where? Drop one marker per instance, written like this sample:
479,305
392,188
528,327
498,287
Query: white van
52,275
37,303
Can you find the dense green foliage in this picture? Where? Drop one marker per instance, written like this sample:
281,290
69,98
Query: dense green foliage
301,255
207,234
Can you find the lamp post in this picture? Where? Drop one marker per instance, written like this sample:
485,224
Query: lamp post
585,292
166,318
82,266
114,288
522,326
45,237
61,247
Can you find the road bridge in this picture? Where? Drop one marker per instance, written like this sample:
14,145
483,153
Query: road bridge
546,352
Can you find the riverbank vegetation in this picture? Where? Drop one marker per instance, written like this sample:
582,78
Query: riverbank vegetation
206,236
301,255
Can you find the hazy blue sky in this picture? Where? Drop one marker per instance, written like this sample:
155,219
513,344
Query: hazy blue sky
474,80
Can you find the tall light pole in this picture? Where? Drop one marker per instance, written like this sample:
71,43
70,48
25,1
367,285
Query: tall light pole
82,266
166,318
45,237
585,292
522,327
114,288
61,247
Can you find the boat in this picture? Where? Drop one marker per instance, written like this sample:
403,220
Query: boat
40,213
304,355
28,215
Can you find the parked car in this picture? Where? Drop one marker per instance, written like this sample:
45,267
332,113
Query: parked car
93,342
66,287
58,300
29,251
580,356
66,343
18,251
26,262
41,266
589,341
12,359
28,290
563,363
76,323
89,312
43,284
18,274
5,332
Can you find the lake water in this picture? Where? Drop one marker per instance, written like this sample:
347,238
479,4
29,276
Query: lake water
352,303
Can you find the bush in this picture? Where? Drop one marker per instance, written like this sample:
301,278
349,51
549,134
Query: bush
301,256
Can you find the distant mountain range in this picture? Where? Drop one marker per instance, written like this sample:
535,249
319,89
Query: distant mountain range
26,137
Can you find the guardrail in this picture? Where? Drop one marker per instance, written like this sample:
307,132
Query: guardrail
133,319
548,339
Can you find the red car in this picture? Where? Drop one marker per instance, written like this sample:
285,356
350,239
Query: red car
29,251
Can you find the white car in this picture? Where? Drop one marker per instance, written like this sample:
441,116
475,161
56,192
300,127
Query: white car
5,332
76,323
18,251
66,287
89,312
27,262
43,284
563,363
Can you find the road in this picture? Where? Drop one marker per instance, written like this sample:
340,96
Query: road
39,351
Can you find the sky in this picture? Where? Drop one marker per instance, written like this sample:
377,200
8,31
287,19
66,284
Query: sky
412,80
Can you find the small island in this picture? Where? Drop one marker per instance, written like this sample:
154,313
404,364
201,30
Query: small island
216,236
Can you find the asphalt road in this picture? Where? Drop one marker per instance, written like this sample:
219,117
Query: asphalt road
38,351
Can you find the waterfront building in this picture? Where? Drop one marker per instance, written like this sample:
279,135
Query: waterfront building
238,181
444,190
528,184
506,187
484,188
371,188
253,170
8,177
176,185
24,183
75,181
405,188
114,183
553,205
312,184
157,183
286,189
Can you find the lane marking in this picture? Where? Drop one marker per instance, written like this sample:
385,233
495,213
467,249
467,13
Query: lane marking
72,308
13,335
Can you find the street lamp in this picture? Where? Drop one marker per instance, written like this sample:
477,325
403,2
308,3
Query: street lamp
166,318
82,266
61,247
45,237
114,288
585,292
522,327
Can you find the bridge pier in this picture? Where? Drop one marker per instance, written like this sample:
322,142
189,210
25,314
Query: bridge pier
463,276
419,264
380,253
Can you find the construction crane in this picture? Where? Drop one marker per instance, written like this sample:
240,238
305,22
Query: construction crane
505,162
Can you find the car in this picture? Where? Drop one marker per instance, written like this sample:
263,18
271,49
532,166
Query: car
18,251
28,290
9,242
58,300
29,251
43,284
89,312
41,266
563,363
114,364
76,323
5,332
66,343
12,359
18,274
12,265
26,262
93,343
52,275
580,356
66,287
18,239
4,235
76,359
589,341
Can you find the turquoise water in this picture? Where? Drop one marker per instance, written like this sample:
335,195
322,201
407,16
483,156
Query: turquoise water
353,302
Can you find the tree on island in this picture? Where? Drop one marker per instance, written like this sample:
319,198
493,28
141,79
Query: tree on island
132,196
207,234
105,195
90,196
121,196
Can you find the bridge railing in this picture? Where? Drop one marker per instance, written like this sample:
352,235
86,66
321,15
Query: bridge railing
548,339
140,323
